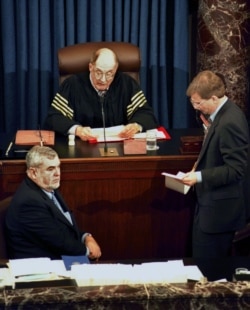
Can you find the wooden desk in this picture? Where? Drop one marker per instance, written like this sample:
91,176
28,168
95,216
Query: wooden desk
191,295
122,200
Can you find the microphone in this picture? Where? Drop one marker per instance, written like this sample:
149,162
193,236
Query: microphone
102,94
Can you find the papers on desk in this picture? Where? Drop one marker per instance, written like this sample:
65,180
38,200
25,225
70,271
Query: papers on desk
36,269
113,132
74,260
5,277
44,269
173,181
153,273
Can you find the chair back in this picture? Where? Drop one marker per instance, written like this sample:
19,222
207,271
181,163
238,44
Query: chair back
75,58
4,204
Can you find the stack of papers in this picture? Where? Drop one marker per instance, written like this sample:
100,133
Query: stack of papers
36,269
147,273
174,182
44,269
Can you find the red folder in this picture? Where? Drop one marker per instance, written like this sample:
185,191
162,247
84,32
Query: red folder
35,137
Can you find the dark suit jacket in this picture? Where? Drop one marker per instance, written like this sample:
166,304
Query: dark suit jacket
36,228
222,162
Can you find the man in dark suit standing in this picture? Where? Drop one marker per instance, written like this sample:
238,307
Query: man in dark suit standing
38,222
220,168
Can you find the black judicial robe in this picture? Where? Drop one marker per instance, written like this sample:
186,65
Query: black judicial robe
77,102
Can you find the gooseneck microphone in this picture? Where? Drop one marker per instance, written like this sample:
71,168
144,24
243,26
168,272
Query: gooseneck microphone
102,94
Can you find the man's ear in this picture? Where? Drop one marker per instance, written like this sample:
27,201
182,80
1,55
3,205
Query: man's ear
32,173
214,98
90,66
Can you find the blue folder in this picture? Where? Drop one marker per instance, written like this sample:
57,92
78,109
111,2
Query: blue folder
74,260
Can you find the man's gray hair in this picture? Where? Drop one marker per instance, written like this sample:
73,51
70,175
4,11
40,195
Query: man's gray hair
37,153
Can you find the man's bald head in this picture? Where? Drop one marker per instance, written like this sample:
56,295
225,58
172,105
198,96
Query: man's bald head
104,57
103,66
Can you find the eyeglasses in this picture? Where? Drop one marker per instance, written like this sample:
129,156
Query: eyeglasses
108,75
195,103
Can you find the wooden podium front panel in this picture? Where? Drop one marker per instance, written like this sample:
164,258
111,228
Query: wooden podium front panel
123,202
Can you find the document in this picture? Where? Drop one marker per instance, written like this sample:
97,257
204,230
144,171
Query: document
112,134
118,274
173,181
34,269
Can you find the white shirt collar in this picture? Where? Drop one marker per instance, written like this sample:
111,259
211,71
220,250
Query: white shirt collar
212,116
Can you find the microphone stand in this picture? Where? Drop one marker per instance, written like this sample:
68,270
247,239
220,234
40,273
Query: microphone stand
105,151
103,122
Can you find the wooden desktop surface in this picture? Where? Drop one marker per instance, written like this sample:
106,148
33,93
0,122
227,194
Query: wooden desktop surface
121,200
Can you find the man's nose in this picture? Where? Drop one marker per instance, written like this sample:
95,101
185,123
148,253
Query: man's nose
103,77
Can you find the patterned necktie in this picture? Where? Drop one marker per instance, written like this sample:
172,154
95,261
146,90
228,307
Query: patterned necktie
206,125
57,204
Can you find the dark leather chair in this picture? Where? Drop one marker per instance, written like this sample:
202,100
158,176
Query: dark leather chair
75,58
4,204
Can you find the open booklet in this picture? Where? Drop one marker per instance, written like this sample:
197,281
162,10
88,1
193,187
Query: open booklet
112,134
173,181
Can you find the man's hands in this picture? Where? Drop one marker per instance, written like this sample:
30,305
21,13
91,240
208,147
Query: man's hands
130,130
189,178
84,133
94,249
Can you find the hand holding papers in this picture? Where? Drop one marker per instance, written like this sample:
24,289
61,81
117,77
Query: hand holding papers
175,183
112,134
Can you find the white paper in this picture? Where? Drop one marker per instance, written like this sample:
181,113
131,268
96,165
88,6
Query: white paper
193,273
161,272
112,134
146,273
36,268
103,274
142,135
5,278
173,181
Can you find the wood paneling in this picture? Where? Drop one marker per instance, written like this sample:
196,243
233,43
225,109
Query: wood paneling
121,200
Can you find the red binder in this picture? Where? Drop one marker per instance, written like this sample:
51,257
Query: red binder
34,137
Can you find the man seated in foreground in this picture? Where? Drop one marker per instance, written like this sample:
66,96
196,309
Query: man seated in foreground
38,222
